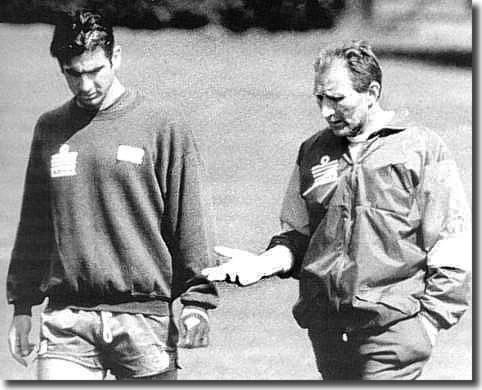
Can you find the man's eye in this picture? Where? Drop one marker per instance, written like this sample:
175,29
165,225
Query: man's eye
72,73
334,99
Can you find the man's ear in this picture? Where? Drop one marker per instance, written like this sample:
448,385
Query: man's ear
116,57
374,92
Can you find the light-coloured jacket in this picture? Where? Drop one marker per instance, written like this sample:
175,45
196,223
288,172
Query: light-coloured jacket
388,231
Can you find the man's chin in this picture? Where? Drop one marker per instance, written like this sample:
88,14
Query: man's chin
89,104
341,131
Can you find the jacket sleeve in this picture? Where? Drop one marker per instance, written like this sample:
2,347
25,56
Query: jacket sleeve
190,222
447,240
34,238
294,224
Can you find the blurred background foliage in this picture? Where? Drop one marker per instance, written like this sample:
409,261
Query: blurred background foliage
235,15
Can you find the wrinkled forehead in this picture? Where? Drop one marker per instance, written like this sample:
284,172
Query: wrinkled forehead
332,77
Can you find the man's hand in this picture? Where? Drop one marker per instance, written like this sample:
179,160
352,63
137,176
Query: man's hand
247,268
18,339
194,324
243,267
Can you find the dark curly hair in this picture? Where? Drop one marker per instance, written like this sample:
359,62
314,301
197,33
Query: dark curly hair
86,30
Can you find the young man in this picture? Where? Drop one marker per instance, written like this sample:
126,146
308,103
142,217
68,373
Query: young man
375,227
112,227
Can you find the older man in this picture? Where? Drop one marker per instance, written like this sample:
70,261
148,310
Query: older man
375,227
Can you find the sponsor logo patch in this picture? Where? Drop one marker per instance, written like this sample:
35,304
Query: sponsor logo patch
63,163
324,172
130,154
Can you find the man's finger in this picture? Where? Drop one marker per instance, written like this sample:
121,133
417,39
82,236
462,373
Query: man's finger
230,252
204,341
25,347
215,274
14,346
185,336
200,339
187,340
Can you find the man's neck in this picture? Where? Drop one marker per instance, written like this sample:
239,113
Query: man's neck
115,92
377,119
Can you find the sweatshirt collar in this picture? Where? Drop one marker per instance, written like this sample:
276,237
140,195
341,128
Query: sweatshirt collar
119,105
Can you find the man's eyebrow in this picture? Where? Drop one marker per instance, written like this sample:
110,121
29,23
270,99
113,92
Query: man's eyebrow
74,72
330,95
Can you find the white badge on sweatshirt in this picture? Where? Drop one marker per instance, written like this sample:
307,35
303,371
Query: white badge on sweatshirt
130,154
63,163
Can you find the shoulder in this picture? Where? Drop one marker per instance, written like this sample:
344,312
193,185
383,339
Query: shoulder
426,141
171,125
159,109
52,119
55,115
165,117
323,142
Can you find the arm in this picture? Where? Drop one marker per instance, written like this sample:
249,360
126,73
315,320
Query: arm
284,254
188,211
30,255
447,240
33,242
189,222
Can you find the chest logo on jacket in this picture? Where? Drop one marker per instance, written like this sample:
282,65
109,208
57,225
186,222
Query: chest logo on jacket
64,162
326,171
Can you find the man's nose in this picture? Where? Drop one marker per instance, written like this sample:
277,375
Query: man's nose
327,109
85,83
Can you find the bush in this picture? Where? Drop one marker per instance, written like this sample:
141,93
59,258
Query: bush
235,15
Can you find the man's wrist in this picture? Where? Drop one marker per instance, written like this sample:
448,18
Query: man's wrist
277,259
22,309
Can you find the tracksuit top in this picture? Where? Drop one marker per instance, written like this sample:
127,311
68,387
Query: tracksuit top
112,216
379,236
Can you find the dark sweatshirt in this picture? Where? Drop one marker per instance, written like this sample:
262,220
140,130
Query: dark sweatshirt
112,217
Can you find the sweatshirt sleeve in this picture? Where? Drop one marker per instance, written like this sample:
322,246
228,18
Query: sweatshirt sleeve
190,223
34,238
447,240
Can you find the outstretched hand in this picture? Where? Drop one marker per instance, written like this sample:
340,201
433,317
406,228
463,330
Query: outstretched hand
243,267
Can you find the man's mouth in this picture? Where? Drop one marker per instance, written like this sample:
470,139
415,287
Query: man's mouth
88,97
337,124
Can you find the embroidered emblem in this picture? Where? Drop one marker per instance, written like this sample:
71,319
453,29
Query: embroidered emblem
324,172
130,154
63,163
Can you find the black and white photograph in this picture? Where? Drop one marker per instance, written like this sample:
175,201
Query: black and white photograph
237,191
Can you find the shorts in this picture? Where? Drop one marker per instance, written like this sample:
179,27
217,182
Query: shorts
129,345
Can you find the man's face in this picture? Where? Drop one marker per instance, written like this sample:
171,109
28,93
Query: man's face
345,109
90,76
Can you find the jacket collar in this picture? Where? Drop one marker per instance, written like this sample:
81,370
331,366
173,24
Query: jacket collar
399,122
